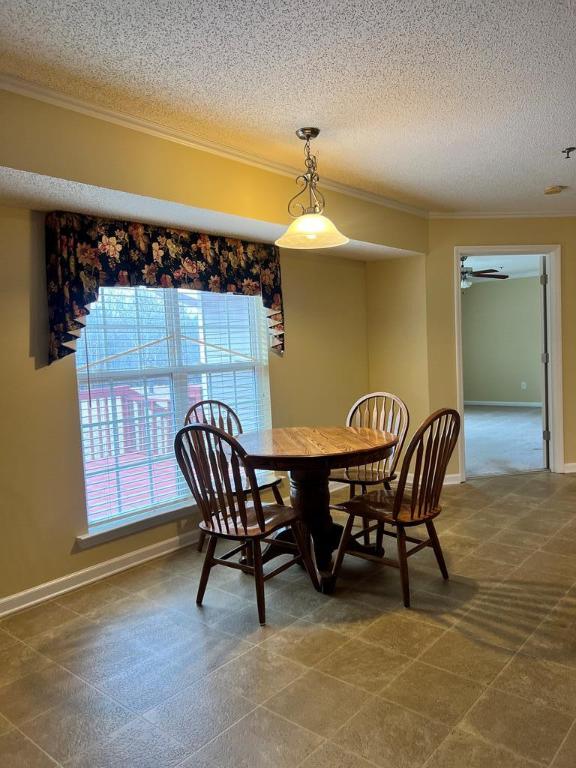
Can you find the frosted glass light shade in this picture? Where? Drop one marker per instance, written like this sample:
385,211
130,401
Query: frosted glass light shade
311,230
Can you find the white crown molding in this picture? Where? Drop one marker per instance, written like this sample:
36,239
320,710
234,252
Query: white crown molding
57,99
500,215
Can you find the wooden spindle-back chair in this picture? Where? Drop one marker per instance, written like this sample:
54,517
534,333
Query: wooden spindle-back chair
387,412
217,414
225,489
412,504
221,415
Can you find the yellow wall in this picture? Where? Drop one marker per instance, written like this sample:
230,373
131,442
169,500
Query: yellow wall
325,366
41,138
502,341
396,300
42,501
445,235
350,327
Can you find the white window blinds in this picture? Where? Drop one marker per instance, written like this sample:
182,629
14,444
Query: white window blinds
145,356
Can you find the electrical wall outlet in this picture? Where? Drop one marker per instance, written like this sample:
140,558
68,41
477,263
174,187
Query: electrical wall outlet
523,385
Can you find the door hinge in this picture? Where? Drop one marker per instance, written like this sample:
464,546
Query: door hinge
543,279
545,357
546,434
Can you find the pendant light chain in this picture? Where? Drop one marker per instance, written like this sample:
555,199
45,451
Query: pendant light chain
309,183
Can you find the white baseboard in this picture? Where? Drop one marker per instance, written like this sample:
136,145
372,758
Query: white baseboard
454,479
497,403
51,589
568,468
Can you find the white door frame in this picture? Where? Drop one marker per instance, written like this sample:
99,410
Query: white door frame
555,402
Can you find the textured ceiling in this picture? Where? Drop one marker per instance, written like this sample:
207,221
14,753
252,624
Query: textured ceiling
440,104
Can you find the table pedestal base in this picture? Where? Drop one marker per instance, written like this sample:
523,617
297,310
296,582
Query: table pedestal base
310,496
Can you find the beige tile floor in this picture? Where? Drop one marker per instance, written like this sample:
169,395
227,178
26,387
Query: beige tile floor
481,673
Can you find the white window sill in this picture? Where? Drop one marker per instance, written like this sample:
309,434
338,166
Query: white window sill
117,529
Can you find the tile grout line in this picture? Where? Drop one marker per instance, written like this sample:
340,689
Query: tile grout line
513,656
254,708
484,740
424,650
305,670
90,684
41,749
463,717
491,685
571,730
348,639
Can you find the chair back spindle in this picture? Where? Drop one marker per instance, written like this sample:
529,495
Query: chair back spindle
215,413
213,464
427,458
386,412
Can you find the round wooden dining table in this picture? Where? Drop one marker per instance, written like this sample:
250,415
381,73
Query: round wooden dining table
309,454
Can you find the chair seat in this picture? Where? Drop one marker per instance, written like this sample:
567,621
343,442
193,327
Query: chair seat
364,475
275,516
379,505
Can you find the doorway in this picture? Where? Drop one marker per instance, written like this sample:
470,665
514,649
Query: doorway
508,360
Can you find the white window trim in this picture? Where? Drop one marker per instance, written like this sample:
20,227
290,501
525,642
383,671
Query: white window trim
121,527
181,509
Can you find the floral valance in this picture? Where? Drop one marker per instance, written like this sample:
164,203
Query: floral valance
85,252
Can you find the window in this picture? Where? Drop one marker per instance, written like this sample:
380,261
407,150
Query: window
145,356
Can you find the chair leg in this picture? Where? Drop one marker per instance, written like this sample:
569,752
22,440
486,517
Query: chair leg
259,580
208,562
352,490
277,495
345,538
380,529
201,540
403,563
366,525
380,540
437,548
303,541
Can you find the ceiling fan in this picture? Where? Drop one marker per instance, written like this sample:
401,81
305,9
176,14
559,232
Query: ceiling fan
467,272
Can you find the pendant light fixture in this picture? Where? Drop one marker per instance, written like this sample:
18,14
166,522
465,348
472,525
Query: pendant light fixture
310,228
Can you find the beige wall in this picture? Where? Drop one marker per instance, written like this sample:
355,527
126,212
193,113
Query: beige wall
42,138
349,326
325,366
502,341
42,500
445,235
396,301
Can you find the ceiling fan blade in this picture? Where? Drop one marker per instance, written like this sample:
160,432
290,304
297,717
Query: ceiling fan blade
484,271
491,277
